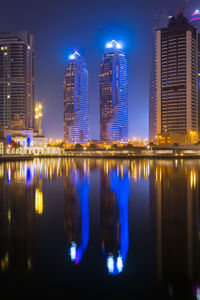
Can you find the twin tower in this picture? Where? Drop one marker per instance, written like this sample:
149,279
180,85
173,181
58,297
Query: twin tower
113,97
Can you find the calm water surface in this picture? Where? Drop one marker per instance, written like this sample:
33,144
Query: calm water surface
101,227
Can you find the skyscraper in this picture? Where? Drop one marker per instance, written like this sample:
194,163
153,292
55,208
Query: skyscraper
113,94
76,110
16,78
177,82
159,21
195,20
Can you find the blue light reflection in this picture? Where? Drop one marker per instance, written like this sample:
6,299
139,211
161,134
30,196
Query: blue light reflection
82,184
120,187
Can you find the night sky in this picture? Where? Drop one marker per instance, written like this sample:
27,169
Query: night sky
59,27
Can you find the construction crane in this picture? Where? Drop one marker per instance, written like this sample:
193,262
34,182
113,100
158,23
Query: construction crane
182,10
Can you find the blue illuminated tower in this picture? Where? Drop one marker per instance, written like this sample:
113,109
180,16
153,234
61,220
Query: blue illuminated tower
76,110
113,94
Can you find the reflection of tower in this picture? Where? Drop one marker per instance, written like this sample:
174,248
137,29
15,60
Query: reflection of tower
77,186
17,222
174,199
114,218
38,118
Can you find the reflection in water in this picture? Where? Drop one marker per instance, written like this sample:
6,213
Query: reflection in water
38,201
16,225
114,201
173,204
77,187
174,197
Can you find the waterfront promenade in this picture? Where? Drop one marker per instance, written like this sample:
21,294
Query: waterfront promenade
149,152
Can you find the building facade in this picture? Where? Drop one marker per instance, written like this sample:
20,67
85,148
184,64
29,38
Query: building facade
195,21
76,109
38,118
17,78
159,21
113,94
176,70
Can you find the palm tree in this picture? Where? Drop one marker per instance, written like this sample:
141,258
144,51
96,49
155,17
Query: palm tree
78,147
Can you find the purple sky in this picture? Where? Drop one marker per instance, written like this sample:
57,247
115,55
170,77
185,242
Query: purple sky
60,26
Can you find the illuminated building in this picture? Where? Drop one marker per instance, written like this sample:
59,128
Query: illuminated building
113,94
2,142
158,22
76,110
195,21
152,105
114,217
2,146
77,187
18,132
177,82
28,141
16,78
38,118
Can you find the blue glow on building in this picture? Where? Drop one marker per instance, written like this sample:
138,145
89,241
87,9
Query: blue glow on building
8,138
76,109
28,140
113,94
82,184
113,44
73,56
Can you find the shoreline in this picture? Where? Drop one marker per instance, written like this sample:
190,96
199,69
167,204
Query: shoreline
129,156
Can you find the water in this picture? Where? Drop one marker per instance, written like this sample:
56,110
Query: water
100,227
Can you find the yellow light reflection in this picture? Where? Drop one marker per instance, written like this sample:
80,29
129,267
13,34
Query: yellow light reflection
38,202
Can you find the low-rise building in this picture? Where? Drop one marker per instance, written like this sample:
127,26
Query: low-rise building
22,140
2,146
